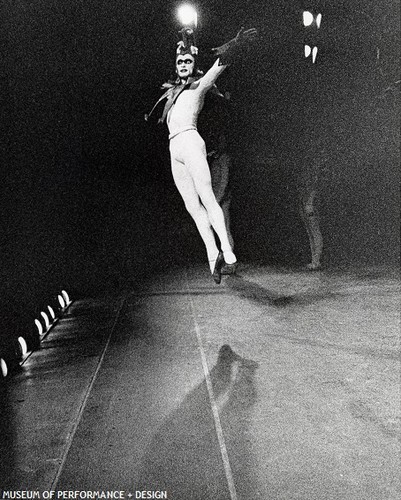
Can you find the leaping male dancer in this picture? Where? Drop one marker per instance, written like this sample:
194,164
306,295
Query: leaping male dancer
191,174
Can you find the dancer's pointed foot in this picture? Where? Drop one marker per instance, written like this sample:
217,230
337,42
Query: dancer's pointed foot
218,264
230,262
229,257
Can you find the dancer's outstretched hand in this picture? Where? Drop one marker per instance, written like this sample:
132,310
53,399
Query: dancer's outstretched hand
242,37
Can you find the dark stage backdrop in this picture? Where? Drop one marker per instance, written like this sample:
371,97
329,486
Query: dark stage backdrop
87,198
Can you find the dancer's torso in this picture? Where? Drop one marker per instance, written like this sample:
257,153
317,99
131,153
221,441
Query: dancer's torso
185,111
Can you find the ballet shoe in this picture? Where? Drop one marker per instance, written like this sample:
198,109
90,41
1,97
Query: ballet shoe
228,269
216,274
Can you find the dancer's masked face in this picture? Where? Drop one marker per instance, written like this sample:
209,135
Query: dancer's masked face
185,65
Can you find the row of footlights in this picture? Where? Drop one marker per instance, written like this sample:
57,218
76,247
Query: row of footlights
15,355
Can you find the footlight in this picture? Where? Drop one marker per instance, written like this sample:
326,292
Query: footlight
46,321
39,327
52,314
3,368
61,300
23,346
66,298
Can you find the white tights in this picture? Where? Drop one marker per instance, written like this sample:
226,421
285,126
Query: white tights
191,175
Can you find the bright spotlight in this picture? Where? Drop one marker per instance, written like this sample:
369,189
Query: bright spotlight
318,20
307,18
188,15
3,367
39,326
308,50
23,344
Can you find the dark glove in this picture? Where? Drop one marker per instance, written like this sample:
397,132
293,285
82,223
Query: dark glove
228,52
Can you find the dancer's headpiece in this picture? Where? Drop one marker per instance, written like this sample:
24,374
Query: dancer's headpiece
187,44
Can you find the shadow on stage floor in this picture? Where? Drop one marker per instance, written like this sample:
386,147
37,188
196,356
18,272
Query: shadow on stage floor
183,456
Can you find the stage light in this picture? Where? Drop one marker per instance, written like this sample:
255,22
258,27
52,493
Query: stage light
66,298
29,330
18,350
56,306
39,326
3,368
23,345
46,320
307,18
309,51
188,15
52,313
314,54
61,301
11,355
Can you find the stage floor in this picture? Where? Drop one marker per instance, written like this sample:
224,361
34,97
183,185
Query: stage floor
276,384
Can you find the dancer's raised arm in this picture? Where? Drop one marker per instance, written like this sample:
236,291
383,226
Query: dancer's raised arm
226,55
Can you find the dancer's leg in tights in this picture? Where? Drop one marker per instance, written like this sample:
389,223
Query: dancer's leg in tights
198,167
186,188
